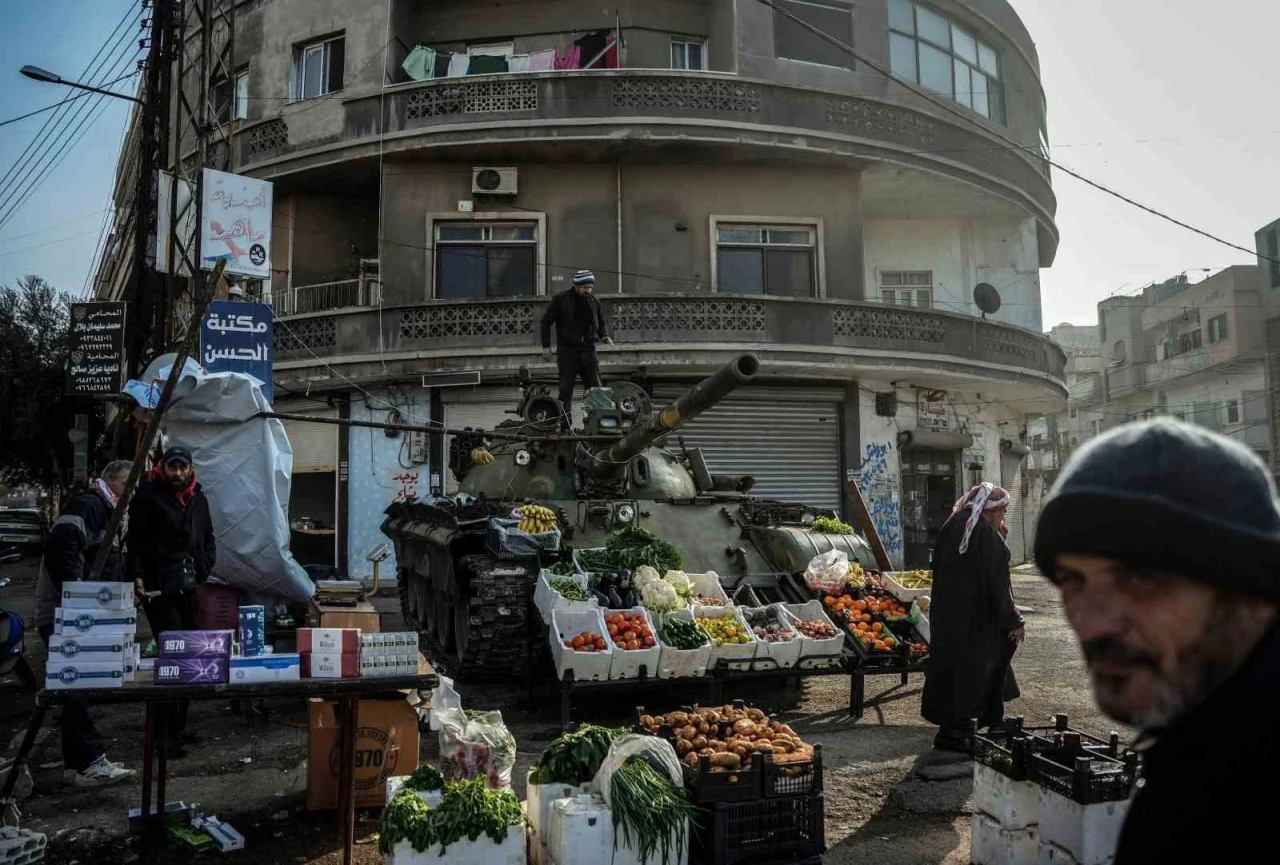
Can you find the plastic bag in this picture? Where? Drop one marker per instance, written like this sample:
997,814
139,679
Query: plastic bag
658,752
476,744
506,540
827,572
443,697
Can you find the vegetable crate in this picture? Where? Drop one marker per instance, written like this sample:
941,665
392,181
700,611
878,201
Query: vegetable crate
1009,750
760,832
817,654
626,663
708,586
547,599
899,591
709,787
779,655
676,663
1084,777
795,778
735,656
586,666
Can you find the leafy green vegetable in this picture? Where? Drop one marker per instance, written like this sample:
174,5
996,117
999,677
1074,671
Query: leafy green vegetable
628,549
402,820
828,526
426,777
562,569
652,813
468,810
575,757
570,590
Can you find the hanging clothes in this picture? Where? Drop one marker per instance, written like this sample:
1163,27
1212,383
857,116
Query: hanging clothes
420,64
442,64
518,63
542,61
486,64
570,60
592,44
458,65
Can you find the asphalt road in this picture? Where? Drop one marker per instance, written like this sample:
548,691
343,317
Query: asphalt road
254,774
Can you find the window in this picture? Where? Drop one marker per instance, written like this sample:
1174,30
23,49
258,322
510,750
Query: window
240,109
1233,411
688,53
1273,253
1095,427
1218,328
906,287
765,260
1188,342
486,259
927,49
793,42
317,68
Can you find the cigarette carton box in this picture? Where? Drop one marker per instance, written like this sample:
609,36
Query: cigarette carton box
68,675
329,641
253,630
71,622
265,668
97,595
325,665
195,644
100,647
192,671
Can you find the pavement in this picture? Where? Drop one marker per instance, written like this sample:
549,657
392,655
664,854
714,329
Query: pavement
890,798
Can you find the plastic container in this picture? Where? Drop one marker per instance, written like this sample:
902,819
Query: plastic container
889,579
772,656
627,663
547,599
708,585
676,663
586,666
482,851
582,834
795,778
431,797
1011,804
737,656
993,845
577,562
760,832
538,802
707,787
816,654
1079,834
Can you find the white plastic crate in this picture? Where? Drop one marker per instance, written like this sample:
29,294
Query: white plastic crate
993,845
708,585
891,585
538,802
818,653
771,656
547,599
482,851
432,798
582,834
626,664
1075,834
1011,804
586,666
738,655
676,663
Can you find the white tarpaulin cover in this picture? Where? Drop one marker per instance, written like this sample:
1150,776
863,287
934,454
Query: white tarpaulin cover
243,463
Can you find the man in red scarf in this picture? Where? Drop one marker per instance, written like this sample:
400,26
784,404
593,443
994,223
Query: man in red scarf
172,551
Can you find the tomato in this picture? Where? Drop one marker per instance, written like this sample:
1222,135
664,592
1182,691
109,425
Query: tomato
600,644
576,642
613,630
648,641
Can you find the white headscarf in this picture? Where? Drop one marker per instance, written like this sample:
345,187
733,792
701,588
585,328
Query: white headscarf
101,487
986,496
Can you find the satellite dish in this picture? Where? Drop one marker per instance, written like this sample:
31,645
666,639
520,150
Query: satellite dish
987,298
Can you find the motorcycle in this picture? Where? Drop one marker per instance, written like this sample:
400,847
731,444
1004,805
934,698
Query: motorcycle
12,634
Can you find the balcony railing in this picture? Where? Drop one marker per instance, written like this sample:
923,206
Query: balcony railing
472,327
327,296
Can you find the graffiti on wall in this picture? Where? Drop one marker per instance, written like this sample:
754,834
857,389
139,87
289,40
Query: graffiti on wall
406,484
878,480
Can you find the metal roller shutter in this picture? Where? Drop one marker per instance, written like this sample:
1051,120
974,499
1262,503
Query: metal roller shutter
315,445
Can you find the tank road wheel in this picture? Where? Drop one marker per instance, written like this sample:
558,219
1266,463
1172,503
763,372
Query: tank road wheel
490,620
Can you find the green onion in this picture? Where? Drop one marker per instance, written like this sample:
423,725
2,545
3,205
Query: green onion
650,811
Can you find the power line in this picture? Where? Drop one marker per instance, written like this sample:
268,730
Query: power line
79,95
53,227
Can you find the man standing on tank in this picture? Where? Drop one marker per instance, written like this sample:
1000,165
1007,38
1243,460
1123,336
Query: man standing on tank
580,324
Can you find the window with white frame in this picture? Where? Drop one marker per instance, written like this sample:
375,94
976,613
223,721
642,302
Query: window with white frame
486,259
1218,328
927,49
906,287
794,41
758,259
240,106
688,52
1095,427
318,68
1233,411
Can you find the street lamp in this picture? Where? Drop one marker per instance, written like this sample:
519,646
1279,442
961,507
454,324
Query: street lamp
35,73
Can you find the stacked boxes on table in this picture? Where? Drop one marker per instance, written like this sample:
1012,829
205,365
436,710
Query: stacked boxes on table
1049,795
329,653
93,643
255,663
193,658
389,654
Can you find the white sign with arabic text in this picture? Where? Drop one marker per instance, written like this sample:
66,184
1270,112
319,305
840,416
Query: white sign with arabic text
236,223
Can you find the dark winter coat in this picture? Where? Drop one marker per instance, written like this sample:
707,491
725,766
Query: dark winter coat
81,528
970,616
162,531
1213,767
578,319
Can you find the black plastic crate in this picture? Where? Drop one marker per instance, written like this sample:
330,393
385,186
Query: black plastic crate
762,832
1084,777
797,778
708,787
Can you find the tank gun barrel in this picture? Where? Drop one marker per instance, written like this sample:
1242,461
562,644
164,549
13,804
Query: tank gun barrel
694,402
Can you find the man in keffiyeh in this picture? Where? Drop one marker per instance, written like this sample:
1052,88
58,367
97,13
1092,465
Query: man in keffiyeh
975,627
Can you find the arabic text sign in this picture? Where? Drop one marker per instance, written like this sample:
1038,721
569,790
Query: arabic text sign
236,223
236,337
97,348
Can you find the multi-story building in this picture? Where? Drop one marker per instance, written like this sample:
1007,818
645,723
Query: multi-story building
1053,436
736,183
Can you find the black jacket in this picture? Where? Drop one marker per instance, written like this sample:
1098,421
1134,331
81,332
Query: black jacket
1211,768
72,546
162,531
578,318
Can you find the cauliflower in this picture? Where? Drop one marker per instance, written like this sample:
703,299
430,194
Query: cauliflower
659,596
683,586
644,575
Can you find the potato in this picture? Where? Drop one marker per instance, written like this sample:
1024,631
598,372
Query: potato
726,761
706,752
783,728
783,746
691,760
764,733
648,721
762,748
699,742
755,715
744,726
683,747
677,719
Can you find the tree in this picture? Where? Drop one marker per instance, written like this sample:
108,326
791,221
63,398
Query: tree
34,420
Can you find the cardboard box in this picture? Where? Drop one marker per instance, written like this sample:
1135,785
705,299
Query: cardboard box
266,668
386,745
253,630
195,644
363,617
80,622
328,641
61,674
97,595
100,647
326,665
192,671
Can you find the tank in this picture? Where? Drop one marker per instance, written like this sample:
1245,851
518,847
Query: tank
473,604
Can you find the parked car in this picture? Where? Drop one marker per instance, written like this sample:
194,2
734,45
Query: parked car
24,527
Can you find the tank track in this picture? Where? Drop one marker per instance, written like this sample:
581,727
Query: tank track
496,641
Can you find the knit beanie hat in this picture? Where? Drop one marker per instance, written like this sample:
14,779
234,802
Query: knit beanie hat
1167,496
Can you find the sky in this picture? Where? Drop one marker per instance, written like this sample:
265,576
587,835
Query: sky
1171,103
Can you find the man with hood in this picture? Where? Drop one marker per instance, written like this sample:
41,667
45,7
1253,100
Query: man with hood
171,551
975,627
1164,540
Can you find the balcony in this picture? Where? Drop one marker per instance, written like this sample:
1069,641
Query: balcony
326,297
811,338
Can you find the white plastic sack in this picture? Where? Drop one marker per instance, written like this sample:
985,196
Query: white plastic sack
827,572
476,745
659,752
243,463
443,697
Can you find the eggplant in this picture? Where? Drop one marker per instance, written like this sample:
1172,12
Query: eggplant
601,598
615,600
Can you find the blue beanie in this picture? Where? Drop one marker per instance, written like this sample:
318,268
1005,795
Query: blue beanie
584,277
1167,496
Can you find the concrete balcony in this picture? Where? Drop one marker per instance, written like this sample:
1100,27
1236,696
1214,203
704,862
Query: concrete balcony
684,335
326,297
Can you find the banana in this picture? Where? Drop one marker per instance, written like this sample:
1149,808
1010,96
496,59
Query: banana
481,457
537,519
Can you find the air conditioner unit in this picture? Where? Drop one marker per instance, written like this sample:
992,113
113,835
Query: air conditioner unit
494,181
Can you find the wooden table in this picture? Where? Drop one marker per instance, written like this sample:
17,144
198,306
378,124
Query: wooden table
159,700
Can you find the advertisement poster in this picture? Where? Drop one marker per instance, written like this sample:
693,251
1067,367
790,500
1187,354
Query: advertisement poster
236,224
97,348
237,337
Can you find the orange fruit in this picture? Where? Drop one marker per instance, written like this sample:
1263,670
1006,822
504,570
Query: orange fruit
877,627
